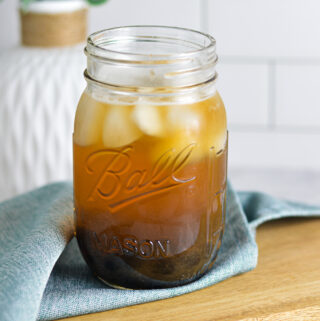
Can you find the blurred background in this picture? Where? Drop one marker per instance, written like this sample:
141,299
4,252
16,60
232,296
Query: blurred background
269,72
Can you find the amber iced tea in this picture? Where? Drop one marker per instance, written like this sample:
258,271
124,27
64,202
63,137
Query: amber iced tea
149,189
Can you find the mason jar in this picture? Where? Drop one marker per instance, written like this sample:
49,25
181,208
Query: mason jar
150,157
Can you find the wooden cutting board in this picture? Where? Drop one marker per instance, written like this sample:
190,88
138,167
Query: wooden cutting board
284,286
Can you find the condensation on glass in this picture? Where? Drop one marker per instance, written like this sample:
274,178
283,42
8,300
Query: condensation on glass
150,157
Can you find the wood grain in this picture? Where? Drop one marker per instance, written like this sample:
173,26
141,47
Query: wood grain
284,286
307,314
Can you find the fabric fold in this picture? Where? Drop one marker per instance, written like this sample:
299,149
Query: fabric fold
44,277
34,230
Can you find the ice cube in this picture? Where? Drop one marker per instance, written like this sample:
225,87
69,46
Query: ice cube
182,117
149,119
217,125
217,141
88,121
175,144
202,125
183,129
119,128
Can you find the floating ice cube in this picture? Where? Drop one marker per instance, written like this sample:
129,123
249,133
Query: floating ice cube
88,121
119,129
182,117
217,127
149,119
202,125
218,141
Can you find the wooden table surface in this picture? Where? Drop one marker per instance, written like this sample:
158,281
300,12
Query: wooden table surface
284,286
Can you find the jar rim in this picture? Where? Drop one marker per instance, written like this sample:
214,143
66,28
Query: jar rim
96,46
151,56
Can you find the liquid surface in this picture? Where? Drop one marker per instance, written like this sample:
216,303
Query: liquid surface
149,190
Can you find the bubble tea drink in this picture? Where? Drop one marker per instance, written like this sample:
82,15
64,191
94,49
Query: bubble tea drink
150,155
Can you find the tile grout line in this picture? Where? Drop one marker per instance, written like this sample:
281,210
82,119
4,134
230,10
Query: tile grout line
295,61
249,129
271,95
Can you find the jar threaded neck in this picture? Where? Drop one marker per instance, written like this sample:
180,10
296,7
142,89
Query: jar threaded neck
151,56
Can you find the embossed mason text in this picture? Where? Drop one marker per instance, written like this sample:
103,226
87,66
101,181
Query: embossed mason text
130,246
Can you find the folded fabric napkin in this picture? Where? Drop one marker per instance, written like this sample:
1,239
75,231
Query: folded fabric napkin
43,278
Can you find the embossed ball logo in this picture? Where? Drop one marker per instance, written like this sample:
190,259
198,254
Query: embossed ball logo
119,183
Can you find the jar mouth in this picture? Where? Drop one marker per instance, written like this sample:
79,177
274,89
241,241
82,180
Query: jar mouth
149,44
151,56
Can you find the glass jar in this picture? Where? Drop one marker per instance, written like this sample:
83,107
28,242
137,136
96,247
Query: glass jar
150,157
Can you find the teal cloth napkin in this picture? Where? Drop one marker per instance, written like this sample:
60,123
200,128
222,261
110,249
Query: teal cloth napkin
43,278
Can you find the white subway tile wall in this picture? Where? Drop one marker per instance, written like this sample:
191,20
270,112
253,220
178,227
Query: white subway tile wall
298,95
245,91
266,28
269,69
274,149
275,43
134,12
